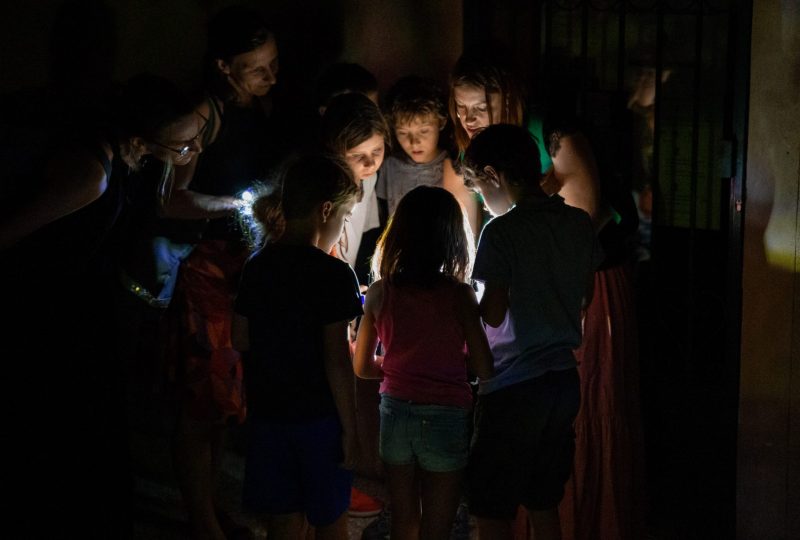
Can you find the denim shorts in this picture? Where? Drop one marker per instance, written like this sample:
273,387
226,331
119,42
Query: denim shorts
436,437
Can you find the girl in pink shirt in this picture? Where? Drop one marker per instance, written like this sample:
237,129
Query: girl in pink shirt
427,320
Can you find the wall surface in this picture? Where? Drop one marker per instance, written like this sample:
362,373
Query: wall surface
769,432
123,37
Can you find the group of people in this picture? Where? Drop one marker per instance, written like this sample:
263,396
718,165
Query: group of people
509,368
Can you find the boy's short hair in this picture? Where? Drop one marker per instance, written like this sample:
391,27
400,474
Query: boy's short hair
310,180
414,96
509,149
343,78
349,120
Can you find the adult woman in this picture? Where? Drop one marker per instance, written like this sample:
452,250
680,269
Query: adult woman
68,412
242,63
603,498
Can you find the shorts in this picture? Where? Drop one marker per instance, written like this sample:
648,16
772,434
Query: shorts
295,467
523,446
436,437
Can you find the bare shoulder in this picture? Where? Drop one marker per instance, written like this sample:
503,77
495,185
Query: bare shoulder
465,296
374,298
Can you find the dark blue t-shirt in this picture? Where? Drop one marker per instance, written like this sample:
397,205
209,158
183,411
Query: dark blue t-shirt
288,294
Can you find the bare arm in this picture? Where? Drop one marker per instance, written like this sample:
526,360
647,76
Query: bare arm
339,371
71,182
184,203
240,333
454,183
575,173
364,362
480,360
494,304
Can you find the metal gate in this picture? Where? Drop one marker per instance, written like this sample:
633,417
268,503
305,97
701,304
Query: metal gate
661,88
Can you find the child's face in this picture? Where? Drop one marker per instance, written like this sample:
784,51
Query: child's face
493,189
365,159
331,229
419,137
473,110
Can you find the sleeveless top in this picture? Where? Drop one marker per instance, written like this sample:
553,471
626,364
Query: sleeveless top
239,156
424,344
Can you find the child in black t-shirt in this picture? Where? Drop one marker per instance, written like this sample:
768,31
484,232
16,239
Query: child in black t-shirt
292,311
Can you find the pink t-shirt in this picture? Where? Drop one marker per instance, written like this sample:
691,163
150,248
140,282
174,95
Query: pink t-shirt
424,347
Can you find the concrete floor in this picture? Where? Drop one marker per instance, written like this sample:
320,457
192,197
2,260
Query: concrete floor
159,512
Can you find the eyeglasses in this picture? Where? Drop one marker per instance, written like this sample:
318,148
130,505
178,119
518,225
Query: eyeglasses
186,147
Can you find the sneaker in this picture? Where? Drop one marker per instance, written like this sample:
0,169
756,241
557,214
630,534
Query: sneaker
380,528
363,505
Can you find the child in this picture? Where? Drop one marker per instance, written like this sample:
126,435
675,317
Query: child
354,129
536,259
291,314
416,113
424,314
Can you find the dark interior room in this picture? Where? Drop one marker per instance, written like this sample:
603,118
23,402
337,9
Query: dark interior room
691,111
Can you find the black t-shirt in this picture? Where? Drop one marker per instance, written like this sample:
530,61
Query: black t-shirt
288,294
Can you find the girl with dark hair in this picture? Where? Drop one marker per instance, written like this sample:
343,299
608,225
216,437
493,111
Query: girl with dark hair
242,63
66,393
426,317
354,129
291,316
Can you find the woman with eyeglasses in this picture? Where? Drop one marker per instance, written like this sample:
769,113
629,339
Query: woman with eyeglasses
63,392
242,66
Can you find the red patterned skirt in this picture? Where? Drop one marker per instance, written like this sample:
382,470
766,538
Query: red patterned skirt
204,365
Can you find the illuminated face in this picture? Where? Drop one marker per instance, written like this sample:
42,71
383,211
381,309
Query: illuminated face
365,158
473,110
331,229
253,73
419,137
492,190
181,141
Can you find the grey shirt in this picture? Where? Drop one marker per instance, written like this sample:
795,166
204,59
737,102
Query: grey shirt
399,175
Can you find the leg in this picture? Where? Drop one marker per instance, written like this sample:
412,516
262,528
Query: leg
546,524
404,497
441,493
335,531
285,526
494,529
194,460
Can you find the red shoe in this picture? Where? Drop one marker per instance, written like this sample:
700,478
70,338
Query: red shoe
363,505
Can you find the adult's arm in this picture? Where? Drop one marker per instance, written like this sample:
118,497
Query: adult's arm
185,203
71,181
454,183
576,178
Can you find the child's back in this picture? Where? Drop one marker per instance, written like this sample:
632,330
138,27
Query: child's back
290,293
545,252
423,340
